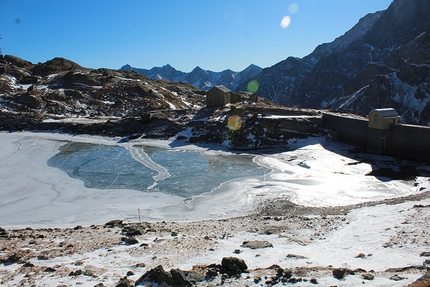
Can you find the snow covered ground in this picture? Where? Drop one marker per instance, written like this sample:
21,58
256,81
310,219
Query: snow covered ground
315,173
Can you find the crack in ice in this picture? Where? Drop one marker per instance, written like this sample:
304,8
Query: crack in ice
139,155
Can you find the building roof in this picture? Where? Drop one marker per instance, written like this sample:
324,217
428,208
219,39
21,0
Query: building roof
222,88
387,113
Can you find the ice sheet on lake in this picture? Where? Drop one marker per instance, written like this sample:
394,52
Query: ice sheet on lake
35,194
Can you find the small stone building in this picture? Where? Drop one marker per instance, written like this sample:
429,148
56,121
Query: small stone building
383,118
218,96
379,129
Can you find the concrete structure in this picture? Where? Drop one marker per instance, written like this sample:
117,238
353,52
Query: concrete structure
379,132
382,134
347,129
218,96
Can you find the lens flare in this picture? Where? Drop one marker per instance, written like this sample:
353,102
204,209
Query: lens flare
285,22
293,8
253,86
234,123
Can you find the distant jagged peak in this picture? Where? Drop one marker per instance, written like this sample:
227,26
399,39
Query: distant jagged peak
126,67
252,67
197,68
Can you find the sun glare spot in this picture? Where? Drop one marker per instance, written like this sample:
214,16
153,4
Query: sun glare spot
234,123
293,8
285,22
253,86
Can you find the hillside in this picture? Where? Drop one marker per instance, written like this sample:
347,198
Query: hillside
381,62
61,95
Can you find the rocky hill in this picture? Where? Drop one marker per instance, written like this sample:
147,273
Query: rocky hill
381,62
61,95
204,79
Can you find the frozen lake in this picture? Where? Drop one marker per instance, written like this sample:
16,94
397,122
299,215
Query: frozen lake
183,173
50,180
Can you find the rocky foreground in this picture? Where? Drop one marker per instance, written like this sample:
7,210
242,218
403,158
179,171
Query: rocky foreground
141,254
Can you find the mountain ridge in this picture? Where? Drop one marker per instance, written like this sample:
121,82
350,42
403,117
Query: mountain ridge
204,79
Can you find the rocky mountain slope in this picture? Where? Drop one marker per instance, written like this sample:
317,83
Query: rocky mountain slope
63,96
381,62
204,79
60,94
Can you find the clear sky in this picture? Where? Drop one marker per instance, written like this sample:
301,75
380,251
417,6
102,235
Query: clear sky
213,34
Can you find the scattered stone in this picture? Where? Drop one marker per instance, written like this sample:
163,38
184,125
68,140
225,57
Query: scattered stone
78,227
361,270
76,272
123,282
234,264
99,285
130,273
174,233
174,278
340,273
295,256
257,279
28,264
367,276
3,232
14,258
257,244
138,265
313,281
288,273
131,230
89,273
425,254
236,251
211,272
113,223
360,255
49,269
42,257
294,280
130,240
396,278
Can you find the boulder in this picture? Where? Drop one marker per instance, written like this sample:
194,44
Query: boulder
174,278
3,232
133,230
129,240
123,282
367,276
234,264
256,244
340,273
115,222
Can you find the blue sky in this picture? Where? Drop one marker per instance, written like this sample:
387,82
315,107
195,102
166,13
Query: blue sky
212,34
